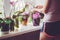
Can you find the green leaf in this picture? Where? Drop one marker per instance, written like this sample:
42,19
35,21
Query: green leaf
7,21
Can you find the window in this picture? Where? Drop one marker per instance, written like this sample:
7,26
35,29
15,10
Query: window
1,8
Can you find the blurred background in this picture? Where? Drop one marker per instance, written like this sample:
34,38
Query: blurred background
18,12
15,5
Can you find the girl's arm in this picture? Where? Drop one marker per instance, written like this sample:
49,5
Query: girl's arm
46,6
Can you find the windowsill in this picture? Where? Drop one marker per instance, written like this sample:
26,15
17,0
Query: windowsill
21,30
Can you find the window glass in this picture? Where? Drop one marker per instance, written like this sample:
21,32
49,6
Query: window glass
1,8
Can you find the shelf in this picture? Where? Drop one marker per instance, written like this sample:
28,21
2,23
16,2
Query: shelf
21,30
